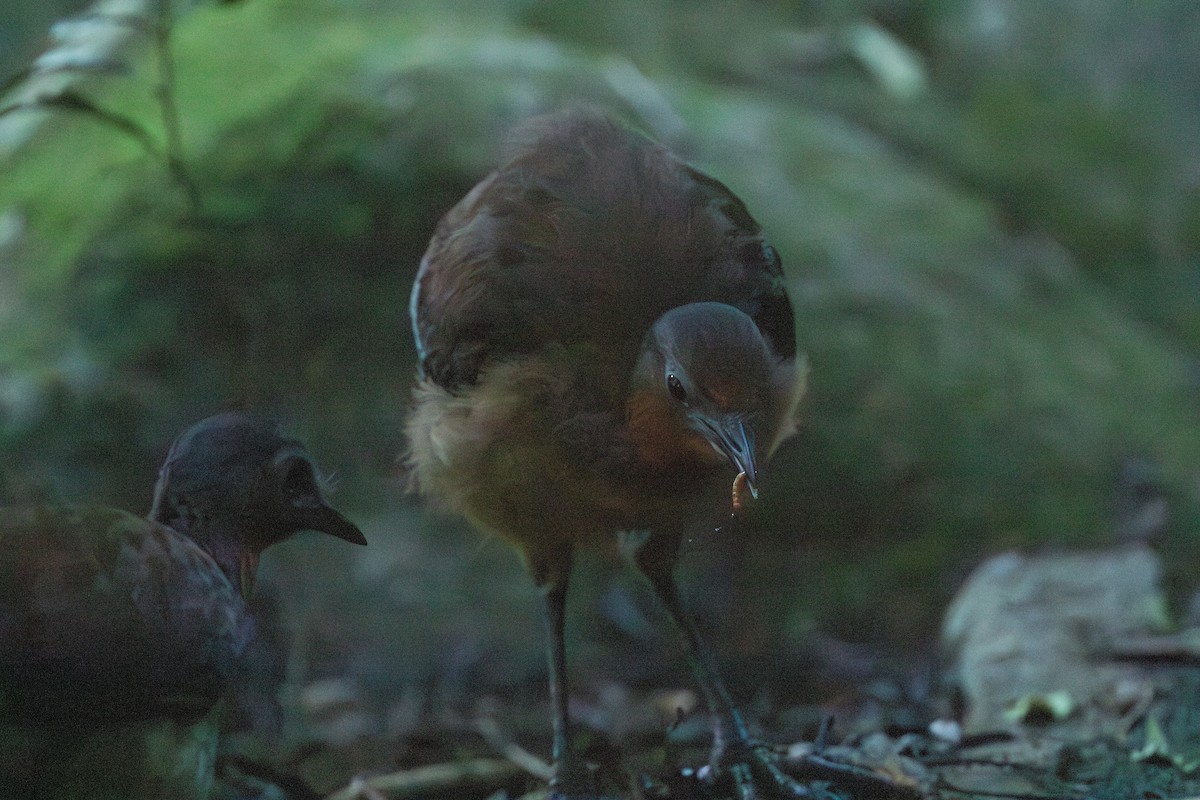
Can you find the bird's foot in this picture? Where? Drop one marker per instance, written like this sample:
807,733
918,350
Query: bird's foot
752,770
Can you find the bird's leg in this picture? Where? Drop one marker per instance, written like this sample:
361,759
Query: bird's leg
571,778
749,762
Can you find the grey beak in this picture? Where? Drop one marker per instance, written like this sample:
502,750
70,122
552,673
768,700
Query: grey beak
731,437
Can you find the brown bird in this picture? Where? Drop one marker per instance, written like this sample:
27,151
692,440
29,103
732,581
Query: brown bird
604,342
119,634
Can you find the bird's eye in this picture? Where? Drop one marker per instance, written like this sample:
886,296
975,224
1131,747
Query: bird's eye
298,479
675,387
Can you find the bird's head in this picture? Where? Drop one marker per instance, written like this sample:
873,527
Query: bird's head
236,485
709,367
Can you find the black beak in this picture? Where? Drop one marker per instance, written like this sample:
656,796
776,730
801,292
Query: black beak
313,517
731,437
324,519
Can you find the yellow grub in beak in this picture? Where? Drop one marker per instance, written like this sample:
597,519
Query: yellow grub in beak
743,493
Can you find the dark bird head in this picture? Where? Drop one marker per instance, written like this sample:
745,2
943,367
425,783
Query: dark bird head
719,380
236,485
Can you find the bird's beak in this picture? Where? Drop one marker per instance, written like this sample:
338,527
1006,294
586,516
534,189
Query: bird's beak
735,441
324,519
319,518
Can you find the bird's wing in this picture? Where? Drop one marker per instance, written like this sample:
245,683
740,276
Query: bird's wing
746,272
104,614
447,307
584,238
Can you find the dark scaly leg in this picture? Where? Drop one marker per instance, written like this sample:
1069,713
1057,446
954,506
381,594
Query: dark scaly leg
749,762
572,780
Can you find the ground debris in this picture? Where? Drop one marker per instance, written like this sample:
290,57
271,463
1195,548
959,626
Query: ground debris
475,778
1072,688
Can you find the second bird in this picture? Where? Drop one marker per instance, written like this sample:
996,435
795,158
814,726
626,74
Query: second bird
604,342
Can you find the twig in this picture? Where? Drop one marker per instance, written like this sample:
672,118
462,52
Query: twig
165,92
68,100
96,42
947,786
49,84
814,766
966,761
478,776
518,755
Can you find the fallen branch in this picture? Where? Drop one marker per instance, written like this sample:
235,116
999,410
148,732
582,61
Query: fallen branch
482,775
518,755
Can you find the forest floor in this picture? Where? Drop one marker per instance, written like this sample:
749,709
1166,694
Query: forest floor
1062,685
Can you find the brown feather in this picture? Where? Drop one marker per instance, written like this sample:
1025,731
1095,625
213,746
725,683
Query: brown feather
538,416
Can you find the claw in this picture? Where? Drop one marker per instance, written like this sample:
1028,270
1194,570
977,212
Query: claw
743,780
756,775
768,761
